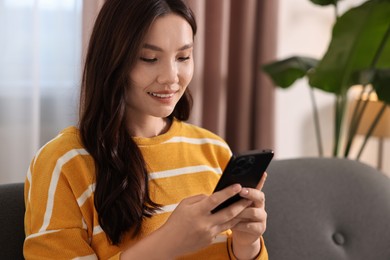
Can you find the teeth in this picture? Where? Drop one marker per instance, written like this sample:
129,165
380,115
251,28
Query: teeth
160,95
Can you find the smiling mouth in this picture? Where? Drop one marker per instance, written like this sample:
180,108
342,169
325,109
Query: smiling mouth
161,95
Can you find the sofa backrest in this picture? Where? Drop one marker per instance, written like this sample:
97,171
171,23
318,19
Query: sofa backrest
11,221
327,208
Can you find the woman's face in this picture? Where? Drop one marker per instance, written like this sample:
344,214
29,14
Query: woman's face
163,69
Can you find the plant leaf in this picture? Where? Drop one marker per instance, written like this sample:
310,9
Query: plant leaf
381,84
285,72
363,77
356,38
324,2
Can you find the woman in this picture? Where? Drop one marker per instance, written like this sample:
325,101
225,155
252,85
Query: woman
133,181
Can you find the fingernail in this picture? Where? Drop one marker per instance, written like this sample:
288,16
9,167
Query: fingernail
244,192
236,187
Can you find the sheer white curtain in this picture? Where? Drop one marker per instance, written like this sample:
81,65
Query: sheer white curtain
40,67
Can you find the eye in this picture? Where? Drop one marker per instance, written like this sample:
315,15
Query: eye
183,58
148,60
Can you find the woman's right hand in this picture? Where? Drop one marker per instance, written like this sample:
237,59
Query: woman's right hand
192,226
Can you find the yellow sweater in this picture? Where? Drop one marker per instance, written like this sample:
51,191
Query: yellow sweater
61,221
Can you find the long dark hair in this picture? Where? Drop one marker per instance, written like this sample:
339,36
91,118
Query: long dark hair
121,196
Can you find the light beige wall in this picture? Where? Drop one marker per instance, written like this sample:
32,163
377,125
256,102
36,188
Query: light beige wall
304,29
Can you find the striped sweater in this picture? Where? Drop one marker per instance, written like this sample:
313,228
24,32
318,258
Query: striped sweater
61,221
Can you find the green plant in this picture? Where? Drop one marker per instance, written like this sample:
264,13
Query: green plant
358,54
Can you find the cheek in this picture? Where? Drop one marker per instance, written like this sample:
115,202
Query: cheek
187,74
141,77
135,76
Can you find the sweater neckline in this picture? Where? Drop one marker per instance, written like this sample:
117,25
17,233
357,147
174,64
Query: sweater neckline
146,141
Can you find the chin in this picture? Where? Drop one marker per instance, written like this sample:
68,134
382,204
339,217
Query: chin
164,113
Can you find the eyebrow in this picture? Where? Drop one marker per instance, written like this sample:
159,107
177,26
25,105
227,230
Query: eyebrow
156,48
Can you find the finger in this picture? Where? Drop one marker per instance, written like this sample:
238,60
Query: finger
226,225
257,228
220,196
252,214
194,199
230,212
254,195
262,181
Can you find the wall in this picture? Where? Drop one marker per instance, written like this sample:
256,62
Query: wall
305,29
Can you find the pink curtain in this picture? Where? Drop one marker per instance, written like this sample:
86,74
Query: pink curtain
90,10
232,97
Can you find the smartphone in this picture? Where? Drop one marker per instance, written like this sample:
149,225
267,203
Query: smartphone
246,169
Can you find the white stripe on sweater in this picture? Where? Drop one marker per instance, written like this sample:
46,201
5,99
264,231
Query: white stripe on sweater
86,194
29,178
154,175
182,171
54,181
87,257
40,150
42,233
97,230
166,209
221,238
182,139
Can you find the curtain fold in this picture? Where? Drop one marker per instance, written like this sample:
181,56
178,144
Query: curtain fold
90,11
233,98
215,65
241,73
264,105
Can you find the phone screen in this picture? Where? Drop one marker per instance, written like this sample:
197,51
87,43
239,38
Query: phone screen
246,169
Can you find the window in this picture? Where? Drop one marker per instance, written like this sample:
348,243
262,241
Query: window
40,68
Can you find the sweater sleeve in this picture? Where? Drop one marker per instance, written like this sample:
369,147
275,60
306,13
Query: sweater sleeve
60,217
263,251
54,224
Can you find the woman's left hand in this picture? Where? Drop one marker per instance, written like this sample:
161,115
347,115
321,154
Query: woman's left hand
252,220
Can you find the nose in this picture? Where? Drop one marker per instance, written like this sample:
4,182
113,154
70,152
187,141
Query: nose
169,74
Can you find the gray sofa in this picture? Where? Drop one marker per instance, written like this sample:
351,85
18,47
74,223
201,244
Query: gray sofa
11,221
327,209
318,209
